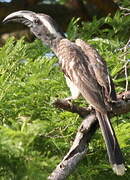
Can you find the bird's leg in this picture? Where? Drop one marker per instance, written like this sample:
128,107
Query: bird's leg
90,108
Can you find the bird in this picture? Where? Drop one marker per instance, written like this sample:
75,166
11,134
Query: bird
85,71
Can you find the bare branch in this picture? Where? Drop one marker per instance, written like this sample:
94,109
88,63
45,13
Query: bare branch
69,106
78,150
123,104
125,9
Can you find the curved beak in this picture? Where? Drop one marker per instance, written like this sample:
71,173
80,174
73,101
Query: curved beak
25,17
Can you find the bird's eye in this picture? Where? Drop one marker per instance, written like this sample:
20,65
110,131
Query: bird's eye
37,21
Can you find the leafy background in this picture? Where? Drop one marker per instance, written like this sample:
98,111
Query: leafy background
34,135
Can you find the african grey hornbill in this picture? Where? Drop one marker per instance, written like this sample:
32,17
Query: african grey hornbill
85,71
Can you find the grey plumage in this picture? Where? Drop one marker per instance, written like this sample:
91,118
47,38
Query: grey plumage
85,71
99,69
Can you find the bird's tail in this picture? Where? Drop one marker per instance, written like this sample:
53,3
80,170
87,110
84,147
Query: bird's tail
113,148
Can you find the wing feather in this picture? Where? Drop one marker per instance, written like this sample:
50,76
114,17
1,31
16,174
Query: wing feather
98,69
74,64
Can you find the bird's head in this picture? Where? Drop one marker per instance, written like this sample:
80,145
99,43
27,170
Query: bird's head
41,25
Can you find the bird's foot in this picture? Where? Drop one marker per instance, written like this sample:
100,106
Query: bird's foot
68,99
90,108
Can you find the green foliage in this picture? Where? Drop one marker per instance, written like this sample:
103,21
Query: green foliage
32,131
110,27
34,136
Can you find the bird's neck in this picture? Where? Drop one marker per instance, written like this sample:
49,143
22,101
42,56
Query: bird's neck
52,41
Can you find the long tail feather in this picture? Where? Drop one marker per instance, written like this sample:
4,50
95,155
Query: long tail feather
113,148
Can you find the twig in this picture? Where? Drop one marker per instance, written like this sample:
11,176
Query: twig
125,52
126,14
126,63
68,106
126,75
124,9
124,48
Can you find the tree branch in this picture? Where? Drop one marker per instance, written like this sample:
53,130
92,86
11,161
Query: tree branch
122,104
78,150
85,132
69,106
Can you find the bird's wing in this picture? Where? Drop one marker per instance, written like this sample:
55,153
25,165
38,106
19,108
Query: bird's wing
74,64
98,68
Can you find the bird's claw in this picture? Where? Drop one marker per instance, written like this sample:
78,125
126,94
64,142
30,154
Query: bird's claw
90,108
